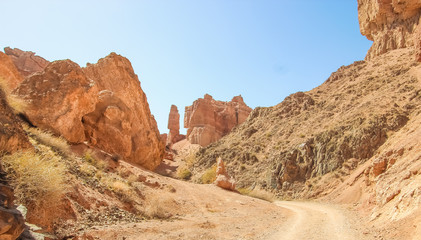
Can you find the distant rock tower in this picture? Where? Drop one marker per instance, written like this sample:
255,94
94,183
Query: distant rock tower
208,120
174,126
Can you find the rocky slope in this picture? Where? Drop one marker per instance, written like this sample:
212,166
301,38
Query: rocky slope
102,104
207,120
313,133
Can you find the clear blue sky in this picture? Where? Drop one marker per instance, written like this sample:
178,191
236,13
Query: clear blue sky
182,49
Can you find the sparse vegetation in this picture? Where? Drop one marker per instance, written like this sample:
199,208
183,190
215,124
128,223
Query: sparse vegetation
89,157
257,193
184,173
57,143
160,206
38,178
209,176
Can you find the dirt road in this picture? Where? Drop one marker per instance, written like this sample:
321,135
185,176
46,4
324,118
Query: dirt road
311,220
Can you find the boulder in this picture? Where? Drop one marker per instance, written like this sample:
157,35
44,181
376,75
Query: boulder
208,120
390,24
123,108
12,223
58,98
26,62
223,180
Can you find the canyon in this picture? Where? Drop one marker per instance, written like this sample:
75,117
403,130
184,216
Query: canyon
82,156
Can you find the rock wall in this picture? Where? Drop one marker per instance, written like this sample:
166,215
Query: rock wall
208,120
102,104
26,62
390,24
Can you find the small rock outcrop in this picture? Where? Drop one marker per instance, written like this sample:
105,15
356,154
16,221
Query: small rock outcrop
12,223
26,62
223,180
102,104
208,120
390,24
174,126
8,72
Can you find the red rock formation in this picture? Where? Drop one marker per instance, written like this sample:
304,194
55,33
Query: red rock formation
391,24
102,104
26,62
223,180
8,72
124,110
209,120
58,98
174,126
11,220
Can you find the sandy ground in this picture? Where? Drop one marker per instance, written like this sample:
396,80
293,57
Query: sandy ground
314,221
209,212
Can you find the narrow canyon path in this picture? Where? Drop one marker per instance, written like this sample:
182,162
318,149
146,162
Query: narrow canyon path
317,221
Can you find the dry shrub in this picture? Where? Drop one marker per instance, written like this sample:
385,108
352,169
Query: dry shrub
209,176
184,173
88,169
257,193
17,104
57,143
160,206
89,156
38,180
190,160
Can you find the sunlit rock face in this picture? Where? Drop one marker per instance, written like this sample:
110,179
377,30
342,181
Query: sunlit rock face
208,120
102,104
390,24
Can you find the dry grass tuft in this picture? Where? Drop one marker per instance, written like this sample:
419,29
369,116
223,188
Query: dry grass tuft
184,173
209,176
257,193
38,179
90,158
44,137
160,206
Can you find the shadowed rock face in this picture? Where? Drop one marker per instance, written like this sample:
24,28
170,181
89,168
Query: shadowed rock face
102,104
26,62
391,24
209,120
